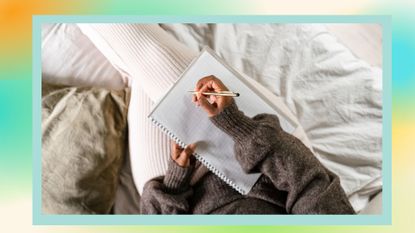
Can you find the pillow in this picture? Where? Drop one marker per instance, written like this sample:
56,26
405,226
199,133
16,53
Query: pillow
84,133
69,58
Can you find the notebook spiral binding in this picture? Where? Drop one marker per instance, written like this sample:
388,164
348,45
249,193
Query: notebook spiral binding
199,157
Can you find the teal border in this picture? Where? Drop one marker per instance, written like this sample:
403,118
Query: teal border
384,219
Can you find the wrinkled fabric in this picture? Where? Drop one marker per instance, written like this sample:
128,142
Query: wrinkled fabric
336,97
84,140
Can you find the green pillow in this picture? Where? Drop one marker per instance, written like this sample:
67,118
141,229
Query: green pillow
84,140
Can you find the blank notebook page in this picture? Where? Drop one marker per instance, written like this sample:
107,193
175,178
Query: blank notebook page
185,123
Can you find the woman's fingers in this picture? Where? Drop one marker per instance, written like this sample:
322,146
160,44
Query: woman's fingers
211,104
175,150
184,158
202,82
212,82
208,107
213,99
200,87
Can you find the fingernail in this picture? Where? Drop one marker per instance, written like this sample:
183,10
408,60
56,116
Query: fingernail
192,146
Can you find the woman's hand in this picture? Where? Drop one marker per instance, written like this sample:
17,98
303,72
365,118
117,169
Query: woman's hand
213,105
182,156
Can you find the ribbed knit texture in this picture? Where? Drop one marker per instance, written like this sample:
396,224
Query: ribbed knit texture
153,60
293,180
177,178
149,146
234,122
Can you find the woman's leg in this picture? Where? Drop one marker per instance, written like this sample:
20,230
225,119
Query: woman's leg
153,60
149,146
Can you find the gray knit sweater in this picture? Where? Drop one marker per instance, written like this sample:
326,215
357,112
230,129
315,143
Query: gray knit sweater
293,181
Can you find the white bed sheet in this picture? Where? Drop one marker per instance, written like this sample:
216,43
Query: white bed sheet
335,96
364,40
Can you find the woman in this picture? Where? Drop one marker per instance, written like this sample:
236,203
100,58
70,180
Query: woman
293,181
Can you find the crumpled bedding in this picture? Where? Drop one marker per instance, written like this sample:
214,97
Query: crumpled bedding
336,97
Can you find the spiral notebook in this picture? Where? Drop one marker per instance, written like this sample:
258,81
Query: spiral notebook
185,123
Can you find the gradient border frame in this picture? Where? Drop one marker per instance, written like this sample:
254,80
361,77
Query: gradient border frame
385,218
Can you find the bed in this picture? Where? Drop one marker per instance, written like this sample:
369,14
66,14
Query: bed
346,135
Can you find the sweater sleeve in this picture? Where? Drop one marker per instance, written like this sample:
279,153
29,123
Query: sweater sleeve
262,146
168,194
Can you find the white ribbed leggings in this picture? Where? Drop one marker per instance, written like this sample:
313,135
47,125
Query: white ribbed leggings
152,60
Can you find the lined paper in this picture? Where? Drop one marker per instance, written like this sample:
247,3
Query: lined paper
186,123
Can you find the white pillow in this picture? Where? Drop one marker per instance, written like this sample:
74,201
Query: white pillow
70,58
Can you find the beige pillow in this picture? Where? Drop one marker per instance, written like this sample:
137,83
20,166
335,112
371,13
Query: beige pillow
84,140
